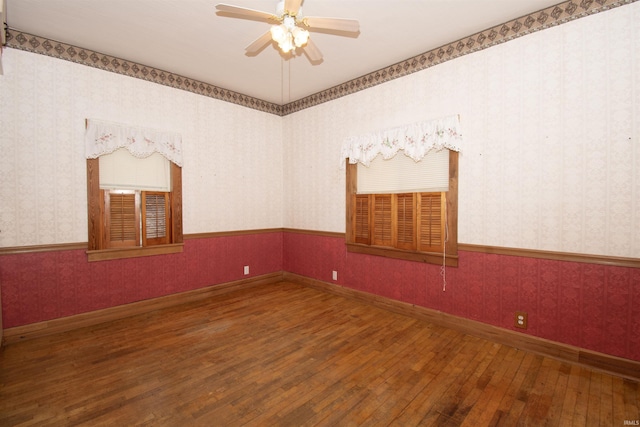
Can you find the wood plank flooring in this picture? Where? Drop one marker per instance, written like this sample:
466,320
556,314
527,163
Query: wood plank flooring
288,355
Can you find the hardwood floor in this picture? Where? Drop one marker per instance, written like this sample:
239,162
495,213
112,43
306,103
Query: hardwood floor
290,355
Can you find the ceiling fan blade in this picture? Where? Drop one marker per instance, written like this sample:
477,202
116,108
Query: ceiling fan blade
312,52
337,24
292,6
259,44
243,12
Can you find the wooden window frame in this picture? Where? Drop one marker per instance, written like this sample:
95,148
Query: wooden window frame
97,249
358,244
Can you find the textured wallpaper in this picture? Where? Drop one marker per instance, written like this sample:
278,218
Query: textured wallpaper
551,159
232,175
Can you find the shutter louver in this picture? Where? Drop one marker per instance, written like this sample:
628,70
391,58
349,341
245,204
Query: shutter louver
155,209
431,233
406,221
382,220
122,219
361,225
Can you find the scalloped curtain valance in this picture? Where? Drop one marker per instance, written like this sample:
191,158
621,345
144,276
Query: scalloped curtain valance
416,140
104,138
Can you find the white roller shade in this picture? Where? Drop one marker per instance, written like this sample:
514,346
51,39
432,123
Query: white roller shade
401,174
121,170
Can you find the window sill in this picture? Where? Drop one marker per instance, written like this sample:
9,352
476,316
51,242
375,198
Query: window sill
426,257
134,252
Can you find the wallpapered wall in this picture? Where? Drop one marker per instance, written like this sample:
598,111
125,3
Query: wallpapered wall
551,162
232,175
551,159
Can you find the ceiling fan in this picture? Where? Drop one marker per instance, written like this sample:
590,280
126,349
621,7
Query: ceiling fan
290,29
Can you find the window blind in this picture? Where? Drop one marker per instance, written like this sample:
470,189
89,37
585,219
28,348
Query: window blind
121,170
155,214
401,174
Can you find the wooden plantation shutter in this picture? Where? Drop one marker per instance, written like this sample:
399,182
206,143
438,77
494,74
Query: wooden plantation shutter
123,211
411,221
382,220
156,225
405,221
431,226
122,218
385,220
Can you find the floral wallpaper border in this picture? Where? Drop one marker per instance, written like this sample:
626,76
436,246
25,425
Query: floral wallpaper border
545,18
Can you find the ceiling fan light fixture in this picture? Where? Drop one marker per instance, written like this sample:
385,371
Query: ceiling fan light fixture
300,36
278,33
288,35
287,45
290,32
289,22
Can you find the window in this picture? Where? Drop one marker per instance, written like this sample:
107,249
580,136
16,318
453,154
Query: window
413,225
115,226
134,203
136,218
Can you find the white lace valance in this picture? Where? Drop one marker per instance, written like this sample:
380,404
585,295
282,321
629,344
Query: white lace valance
416,140
104,138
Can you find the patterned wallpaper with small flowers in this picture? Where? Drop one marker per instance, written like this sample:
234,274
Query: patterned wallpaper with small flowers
551,125
232,172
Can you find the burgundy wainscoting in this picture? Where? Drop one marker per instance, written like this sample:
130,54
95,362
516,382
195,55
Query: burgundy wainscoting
41,286
591,306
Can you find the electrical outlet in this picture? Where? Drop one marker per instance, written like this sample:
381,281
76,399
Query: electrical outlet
246,270
520,320
334,275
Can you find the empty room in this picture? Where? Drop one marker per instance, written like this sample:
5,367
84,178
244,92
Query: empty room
315,212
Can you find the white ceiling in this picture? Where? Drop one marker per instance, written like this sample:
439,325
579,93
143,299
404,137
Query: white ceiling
188,38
